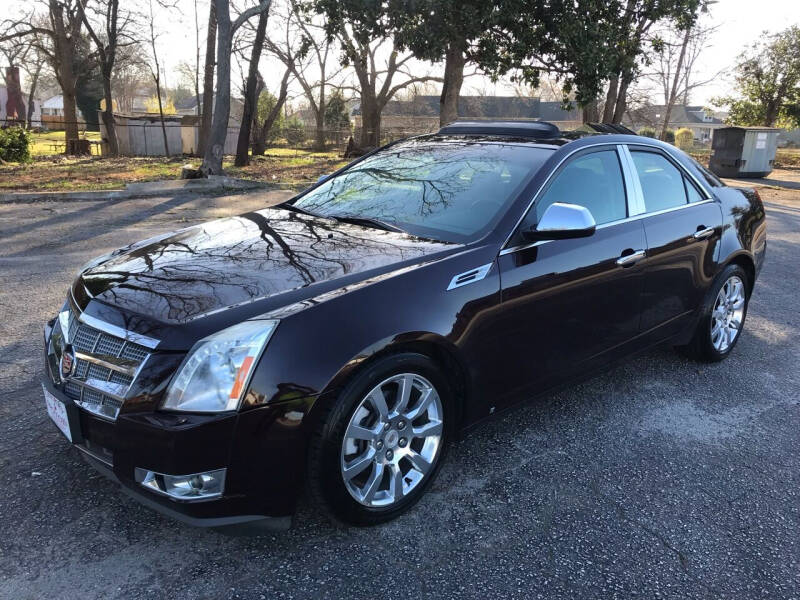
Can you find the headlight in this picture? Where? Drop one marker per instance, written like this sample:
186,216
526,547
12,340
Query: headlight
217,371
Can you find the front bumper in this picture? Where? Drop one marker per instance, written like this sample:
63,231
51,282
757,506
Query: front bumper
262,450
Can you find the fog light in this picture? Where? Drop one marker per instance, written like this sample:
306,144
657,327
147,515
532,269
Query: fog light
197,486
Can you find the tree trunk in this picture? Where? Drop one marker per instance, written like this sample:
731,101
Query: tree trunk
622,100
32,95
611,100
208,80
70,114
370,122
260,145
108,116
674,91
250,94
215,145
319,131
591,112
453,78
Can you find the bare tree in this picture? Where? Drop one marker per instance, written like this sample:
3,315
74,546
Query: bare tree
155,71
306,50
376,85
106,46
208,78
212,160
58,39
251,92
197,59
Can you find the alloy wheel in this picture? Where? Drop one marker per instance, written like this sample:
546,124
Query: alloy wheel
728,314
392,441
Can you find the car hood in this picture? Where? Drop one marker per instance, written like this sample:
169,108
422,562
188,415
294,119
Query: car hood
230,262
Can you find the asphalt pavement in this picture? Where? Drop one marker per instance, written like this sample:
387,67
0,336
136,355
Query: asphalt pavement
661,478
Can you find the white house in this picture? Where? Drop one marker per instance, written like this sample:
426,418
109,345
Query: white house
53,106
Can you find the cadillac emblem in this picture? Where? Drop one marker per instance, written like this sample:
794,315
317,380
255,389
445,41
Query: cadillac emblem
68,362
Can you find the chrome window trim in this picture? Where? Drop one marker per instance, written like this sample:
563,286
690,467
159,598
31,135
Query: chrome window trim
633,186
508,250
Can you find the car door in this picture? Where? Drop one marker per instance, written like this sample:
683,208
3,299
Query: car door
568,303
683,225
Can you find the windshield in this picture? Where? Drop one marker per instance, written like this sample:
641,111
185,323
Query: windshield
450,191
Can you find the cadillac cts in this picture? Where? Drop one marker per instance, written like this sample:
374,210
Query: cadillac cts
340,341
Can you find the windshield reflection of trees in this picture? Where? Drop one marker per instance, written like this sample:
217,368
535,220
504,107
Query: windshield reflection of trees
237,260
416,181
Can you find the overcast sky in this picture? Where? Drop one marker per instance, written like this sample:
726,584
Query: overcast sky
741,22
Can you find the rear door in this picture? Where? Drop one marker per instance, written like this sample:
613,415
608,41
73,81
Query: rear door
683,225
568,304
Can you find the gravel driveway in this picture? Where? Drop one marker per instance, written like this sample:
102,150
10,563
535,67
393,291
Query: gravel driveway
661,478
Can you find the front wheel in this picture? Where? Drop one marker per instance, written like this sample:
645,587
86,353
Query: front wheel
722,317
382,442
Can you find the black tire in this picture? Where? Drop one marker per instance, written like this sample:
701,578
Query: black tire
701,348
325,480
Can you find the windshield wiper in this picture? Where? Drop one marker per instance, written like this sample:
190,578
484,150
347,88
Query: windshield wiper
304,211
368,222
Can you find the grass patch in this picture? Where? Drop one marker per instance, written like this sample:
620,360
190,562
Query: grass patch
42,143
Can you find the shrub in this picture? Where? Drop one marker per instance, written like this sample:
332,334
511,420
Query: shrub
670,136
684,138
648,132
15,145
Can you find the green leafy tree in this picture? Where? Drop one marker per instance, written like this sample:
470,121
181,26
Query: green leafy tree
584,43
768,83
266,103
337,116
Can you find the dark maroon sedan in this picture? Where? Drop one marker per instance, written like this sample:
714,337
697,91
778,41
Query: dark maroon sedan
344,338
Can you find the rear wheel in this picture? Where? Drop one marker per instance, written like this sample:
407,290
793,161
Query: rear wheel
722,317
382,442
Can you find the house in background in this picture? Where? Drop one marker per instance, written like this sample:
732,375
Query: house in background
53,114
189,107
701,121
421,113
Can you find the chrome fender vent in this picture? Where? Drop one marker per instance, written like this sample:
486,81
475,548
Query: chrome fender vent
470,276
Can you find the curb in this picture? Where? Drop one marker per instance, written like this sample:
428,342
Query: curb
215,183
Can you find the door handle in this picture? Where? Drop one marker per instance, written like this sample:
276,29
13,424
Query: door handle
631,259
703,232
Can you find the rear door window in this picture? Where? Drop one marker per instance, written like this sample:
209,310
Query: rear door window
662,183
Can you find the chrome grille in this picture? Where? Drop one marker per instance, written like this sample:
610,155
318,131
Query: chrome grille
98,388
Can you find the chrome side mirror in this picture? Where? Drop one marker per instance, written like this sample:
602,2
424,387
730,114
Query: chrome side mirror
562,221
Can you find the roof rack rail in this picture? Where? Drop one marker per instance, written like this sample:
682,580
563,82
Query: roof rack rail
611,128
540,130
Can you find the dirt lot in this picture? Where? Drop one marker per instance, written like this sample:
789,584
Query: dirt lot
62,173
659,479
